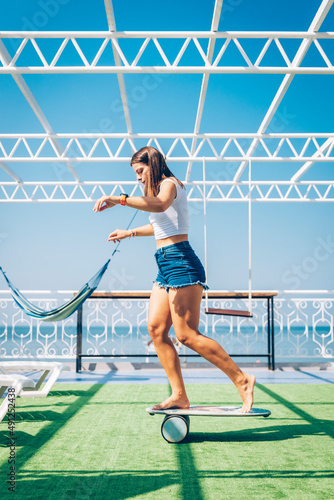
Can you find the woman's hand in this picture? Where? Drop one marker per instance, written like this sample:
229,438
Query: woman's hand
105,202
118,235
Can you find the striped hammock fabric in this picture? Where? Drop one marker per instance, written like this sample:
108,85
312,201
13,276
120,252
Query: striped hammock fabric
63,311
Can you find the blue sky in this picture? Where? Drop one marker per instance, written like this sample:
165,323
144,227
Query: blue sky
59,246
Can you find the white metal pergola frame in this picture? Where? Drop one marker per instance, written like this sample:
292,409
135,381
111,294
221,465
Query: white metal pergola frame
208,65
70,149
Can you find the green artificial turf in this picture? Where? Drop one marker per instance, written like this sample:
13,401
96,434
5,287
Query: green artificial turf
96,441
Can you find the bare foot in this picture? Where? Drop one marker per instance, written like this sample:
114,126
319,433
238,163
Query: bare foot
246,390
173,402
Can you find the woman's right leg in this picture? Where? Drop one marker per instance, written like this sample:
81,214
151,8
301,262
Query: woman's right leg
159,323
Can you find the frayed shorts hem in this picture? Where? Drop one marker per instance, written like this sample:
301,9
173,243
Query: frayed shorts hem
167,287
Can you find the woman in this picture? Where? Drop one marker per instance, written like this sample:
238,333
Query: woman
177,292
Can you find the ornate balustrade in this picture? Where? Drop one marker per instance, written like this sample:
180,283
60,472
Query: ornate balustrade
303,328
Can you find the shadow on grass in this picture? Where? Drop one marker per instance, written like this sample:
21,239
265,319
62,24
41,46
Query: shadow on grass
68,393
307,425
120,485
271,433
191,488
55,421
64,485
38,416
123,484
267,473
21,436
324,426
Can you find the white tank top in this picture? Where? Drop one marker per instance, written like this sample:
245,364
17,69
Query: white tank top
174,220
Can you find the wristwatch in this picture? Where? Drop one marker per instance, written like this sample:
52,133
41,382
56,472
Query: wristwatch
123,198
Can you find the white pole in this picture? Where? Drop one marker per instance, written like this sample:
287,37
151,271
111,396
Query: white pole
249,238
205,242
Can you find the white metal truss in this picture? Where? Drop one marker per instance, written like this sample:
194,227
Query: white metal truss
327,145
297,61
10,172
205,80
21,83
115,147
216,191
220,148
212,51
188,40
120,76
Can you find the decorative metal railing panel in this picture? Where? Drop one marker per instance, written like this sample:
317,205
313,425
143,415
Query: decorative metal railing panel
303,329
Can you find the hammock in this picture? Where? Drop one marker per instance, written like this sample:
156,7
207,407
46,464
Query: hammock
72,305
63,311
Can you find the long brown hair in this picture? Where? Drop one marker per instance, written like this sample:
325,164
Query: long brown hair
158,168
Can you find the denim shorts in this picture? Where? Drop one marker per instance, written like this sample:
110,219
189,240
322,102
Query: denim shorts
178,267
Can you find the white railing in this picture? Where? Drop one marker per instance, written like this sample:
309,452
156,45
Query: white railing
303,328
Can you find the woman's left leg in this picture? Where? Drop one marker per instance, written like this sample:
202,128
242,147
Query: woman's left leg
185,305
159,323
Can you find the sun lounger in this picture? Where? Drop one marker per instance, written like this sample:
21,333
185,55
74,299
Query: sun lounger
55,368
15,383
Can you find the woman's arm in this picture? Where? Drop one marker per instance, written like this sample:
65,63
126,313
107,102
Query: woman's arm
121,234
158,203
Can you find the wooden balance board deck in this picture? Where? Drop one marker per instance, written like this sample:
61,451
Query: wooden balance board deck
175,426
217,411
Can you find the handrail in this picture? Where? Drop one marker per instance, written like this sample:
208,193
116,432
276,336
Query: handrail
211,295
